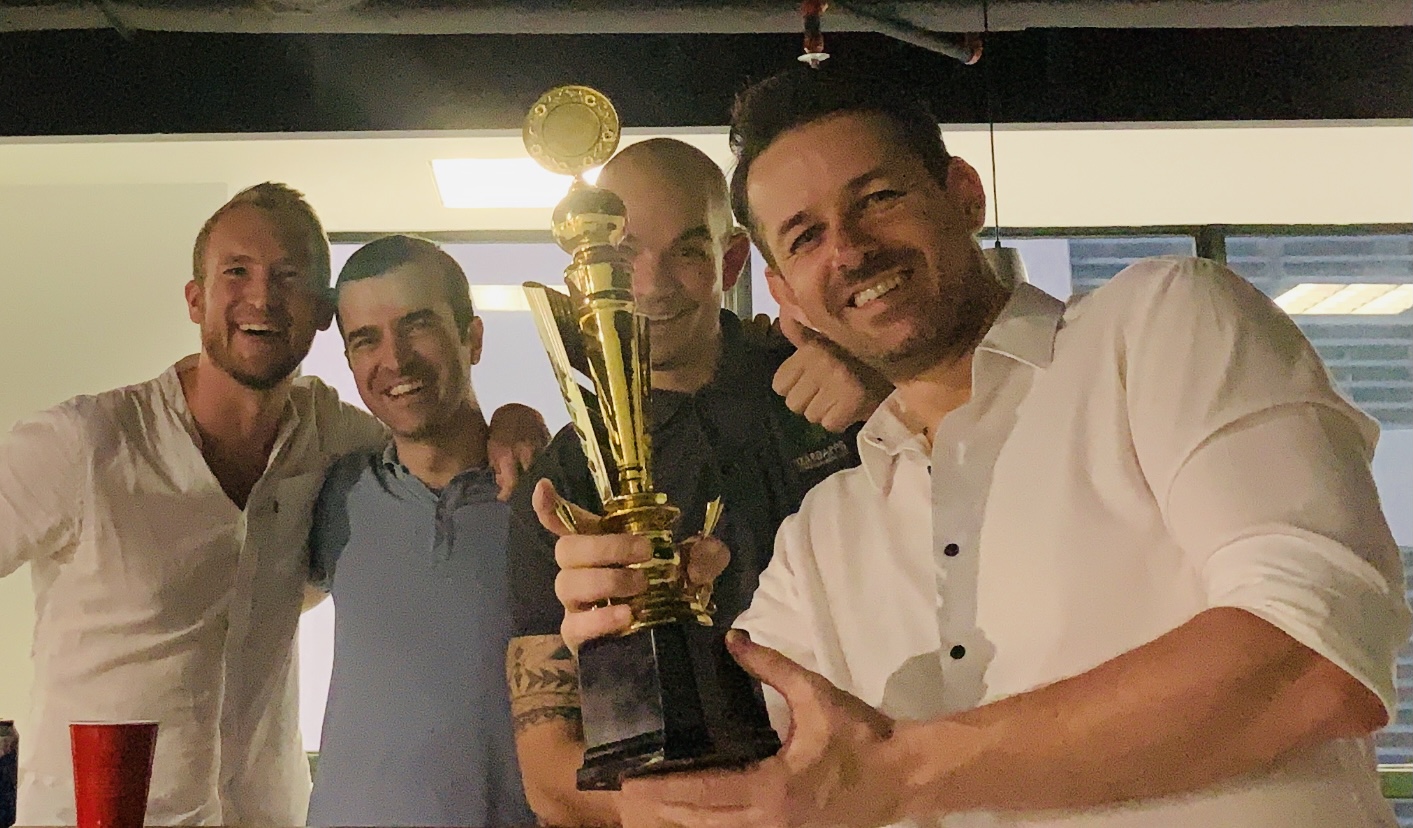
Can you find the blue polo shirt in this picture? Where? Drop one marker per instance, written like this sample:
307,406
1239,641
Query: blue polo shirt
417,730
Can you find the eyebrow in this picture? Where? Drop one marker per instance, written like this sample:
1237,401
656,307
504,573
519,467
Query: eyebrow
699,233
365,332
419,315
855,183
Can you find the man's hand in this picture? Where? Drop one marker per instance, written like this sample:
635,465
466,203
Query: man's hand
517,434
825,385
837,767
595,568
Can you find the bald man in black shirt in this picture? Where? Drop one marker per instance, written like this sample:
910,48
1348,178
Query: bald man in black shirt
722,425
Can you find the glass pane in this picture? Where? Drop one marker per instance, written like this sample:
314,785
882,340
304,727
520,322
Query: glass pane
1370,357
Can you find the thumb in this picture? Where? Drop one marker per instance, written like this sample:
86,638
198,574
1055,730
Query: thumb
790,680
795,330
559,516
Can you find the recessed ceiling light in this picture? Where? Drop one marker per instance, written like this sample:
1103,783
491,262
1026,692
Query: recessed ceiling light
499,298
1337,299
491,183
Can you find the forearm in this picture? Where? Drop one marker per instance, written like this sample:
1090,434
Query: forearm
1223,695
549,738
550,755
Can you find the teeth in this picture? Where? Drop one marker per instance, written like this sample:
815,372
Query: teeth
257,328
869,294
404,388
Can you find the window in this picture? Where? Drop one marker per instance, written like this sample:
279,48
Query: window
1370,357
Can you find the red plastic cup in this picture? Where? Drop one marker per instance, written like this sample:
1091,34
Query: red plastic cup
112,772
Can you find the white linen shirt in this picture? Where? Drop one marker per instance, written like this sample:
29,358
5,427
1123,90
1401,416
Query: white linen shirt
157,598
1163,445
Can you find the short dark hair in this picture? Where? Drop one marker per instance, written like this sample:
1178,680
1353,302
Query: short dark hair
801,95
381,255
280,200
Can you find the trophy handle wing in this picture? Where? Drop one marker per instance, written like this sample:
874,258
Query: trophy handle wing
555,320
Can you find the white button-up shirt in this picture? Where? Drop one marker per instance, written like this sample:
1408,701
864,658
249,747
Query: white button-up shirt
157,598
1163,445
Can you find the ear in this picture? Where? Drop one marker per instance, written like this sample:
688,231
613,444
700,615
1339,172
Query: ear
733,261
195,301
475,333
328,305
964,186
785,296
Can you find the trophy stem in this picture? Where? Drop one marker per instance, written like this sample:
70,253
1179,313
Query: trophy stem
666,600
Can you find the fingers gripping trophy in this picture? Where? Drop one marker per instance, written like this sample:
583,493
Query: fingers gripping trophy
666,695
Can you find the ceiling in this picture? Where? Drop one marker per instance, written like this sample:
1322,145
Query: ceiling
682,16
142,67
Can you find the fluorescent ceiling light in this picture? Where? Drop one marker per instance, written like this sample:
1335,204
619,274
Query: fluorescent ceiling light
1338,299
499,298
500,183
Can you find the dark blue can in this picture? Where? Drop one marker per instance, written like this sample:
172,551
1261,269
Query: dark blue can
9,771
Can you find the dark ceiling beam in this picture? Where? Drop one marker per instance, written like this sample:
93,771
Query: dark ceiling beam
678,16
95,83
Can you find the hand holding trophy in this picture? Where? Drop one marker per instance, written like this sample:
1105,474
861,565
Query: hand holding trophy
666,695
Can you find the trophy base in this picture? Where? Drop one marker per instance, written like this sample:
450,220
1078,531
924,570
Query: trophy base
667,698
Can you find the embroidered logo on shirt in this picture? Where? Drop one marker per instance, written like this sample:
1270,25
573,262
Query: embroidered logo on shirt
819,458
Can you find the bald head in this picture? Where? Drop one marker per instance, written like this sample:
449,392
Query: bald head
676,169
684,249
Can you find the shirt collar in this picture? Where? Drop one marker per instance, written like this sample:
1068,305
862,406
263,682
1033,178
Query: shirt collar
170,386
469,484
391,462
1024,331
734,369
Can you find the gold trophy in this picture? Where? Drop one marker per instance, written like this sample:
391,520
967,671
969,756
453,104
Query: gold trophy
666,695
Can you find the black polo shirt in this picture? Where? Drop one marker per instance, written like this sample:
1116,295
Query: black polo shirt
733,438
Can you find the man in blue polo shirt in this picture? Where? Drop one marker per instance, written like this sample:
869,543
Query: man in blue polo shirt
411,542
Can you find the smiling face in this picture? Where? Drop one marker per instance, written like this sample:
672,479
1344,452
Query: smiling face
679,238
411,364
259,301
870,247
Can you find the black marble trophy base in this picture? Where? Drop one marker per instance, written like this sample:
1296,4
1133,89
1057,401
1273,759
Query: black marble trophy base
667,698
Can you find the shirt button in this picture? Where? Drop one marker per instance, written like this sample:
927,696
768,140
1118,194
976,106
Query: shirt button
951,550
958,651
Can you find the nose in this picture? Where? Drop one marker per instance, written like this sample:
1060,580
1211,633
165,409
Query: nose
387,358
649,276
852,244
264,290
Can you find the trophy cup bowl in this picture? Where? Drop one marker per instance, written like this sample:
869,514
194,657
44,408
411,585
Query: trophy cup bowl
666,695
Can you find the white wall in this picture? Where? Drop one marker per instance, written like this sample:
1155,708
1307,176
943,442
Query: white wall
90,298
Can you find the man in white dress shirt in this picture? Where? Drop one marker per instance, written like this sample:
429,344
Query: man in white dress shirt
1112,562
165,525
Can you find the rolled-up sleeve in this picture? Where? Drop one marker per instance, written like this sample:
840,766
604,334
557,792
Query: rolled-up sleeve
41,488
1263,473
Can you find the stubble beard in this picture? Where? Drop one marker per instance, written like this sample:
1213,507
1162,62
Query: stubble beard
947,332
219,352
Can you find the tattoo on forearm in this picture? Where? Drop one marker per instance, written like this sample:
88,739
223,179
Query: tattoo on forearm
543,681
